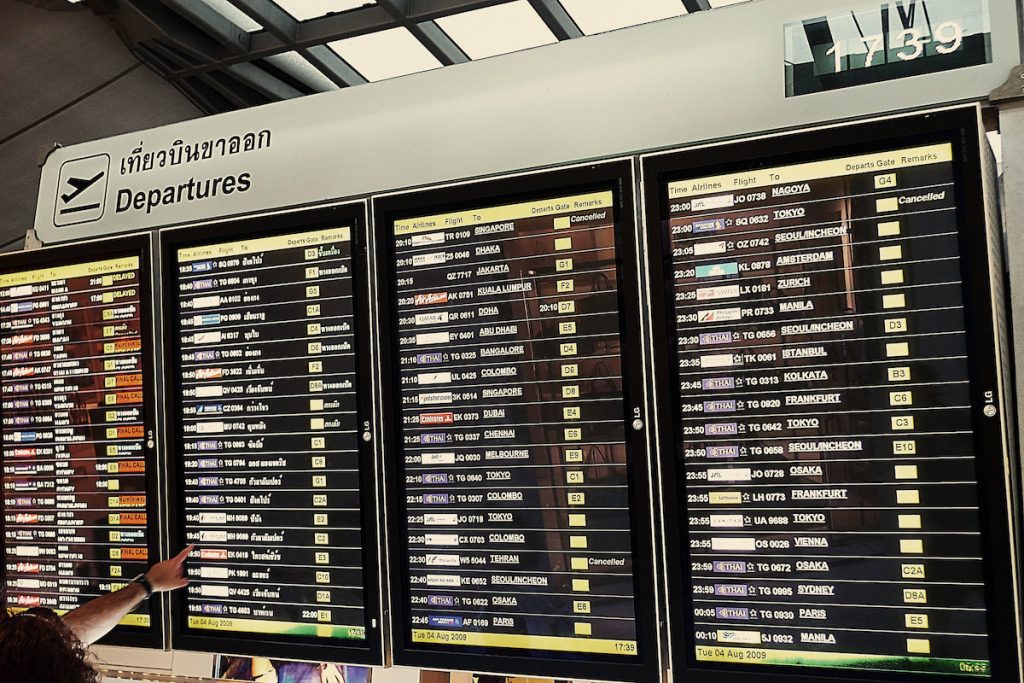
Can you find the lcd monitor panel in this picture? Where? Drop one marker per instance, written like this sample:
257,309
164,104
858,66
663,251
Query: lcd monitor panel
80,475
517,468
268,355
836,488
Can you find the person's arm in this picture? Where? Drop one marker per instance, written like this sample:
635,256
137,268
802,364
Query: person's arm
94,619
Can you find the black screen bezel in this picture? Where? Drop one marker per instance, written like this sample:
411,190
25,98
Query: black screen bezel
961,128
617,177
100,250
307,648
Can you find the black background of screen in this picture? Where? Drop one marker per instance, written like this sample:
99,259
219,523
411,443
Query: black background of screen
961,129
101,250
255,644
614,176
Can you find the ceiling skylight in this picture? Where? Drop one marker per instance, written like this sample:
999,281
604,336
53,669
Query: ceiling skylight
385,54
497,30
304,10
598,16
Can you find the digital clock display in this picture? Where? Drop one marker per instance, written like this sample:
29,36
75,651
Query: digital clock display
886,41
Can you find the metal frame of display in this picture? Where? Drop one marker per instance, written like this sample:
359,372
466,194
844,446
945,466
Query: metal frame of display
306,648
998,476
616,175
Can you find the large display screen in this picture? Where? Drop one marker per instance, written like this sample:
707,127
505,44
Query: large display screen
79,479
275,482
834,421
518,507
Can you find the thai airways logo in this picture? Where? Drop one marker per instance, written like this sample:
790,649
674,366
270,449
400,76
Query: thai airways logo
81,190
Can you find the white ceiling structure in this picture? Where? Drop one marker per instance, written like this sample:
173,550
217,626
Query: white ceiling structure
77,70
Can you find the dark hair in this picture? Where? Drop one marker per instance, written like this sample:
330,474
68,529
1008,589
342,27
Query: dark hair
37,647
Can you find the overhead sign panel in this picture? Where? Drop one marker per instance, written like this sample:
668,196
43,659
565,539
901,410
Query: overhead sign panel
520,521
79,435
833,418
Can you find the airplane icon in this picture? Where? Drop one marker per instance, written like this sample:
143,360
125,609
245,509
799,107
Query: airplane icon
80,185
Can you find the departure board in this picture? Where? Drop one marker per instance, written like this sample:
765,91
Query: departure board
79,506
516,500
275,483
834,421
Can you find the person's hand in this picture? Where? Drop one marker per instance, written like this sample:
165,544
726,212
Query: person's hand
330,673
169,574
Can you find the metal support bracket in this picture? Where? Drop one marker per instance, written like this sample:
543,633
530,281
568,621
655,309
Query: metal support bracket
1012,89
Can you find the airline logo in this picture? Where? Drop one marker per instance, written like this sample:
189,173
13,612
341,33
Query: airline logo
428,338
435,259
17,307
437,418
709,248
717,383
714,338
208,337
429,358
426,239
430,298
721,428
209,373
726,269
719,315
434,378
718,201
722,292
27,567
441,600
23,372
27,601
207,355
719,360
432,318
728,406
26,518
206,301
206,319
213,554
712,225
723,451
435,398
435,498
203,284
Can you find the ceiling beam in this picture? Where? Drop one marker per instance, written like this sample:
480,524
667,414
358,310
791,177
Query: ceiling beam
696,5
422,10
557,19
218,26
261,81
438,43
332,65
275,20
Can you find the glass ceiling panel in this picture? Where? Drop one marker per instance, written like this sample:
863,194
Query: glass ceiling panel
234,15
497,30
385,54
304,10
598,16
